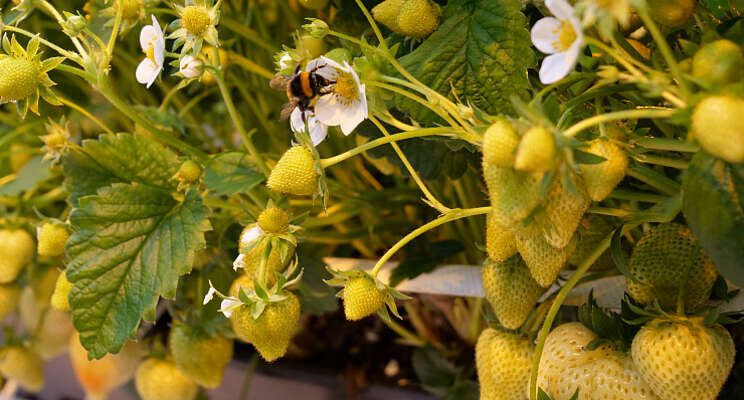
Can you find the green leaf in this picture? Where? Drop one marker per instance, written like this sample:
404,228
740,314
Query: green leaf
133,238
583,157
33,172
713,204
231,173
481,50
132,244
121,158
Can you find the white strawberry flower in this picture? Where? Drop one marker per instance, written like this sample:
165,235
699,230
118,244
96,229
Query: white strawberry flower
210,294
249,235
152,42
318,130
228,305
561,37
239,262
190,67
346,106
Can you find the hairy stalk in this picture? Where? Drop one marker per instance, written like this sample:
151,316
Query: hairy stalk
81,110
637,113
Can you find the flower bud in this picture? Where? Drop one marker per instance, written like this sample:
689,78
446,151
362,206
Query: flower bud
75,24
317,28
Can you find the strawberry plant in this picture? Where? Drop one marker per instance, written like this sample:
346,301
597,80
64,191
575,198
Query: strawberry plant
202,176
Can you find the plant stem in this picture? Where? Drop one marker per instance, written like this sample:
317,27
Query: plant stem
439,131
666,144
238,122
654,179
637,113
405,333
61,22
249,372
666,51
430,197
451,215
114,33
81,110
560,298
66,53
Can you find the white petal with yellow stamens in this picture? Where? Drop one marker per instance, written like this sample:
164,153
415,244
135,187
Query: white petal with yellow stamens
346,110
561,37
153,45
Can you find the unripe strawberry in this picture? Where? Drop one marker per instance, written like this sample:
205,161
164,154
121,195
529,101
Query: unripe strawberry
602,373
52,332
543,260
9,296
189,172
513,194
386,13
601,179
245,282
500,143
361,298
718,127
24,366
683,360
418,18
314,4
671,13
536,151
16,250
501,243
272,331
100,377
19,78
294,173
273,220
511,290
60,299
504,362
158,379
564,208
51,239
667,258
275,262
200,357
719,62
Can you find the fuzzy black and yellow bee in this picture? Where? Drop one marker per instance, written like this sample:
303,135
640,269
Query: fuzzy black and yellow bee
302,88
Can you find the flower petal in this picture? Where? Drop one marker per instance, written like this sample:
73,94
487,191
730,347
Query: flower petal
556,66
148,36
210,294
560,8
239,262
353,116
318,130
329,110
544,33
228,305
147,72
250,235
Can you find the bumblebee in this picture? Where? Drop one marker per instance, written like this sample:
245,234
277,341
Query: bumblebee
302,88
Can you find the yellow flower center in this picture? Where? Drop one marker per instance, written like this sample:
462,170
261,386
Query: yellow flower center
130,9
566,36
195,19
346,89
150,52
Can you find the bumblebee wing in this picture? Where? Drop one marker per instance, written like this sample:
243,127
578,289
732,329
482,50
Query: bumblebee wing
280,82
287,109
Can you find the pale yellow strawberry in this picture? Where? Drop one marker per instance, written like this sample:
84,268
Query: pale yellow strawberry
683,360
543,260
23,366
511,290
9,295
564,208
504,362
719,128
386,13
19,78
601,179
158,379
500,143
273,220
61,291
100,377
16,251
51,239
537,151
513,194
500,240
361,298
418,18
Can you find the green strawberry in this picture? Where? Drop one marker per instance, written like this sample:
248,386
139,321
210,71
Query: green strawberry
671,13
273,220
245,282
24,366
9,295
718,127
314,4
501,243
719,62
511,290
294,173
51,239
189,172
60,299
275,262
504,362
684,359
500,143
19,78
16,251
200,357
386,13
661,260
564,208
513,194
158,379
543,260
418,18
361,298
601,179
537,151
272,331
